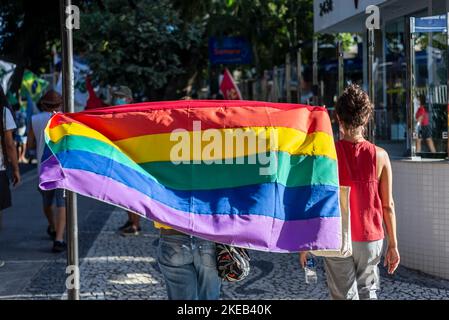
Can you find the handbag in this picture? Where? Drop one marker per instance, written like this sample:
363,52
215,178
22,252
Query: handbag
345,250
232,262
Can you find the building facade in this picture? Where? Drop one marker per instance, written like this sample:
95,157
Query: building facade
410,70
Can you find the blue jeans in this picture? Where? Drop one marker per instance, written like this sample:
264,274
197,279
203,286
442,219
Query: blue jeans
189,267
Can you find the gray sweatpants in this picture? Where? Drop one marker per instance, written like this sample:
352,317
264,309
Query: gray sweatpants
356,277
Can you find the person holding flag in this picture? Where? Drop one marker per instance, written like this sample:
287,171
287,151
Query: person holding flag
366,169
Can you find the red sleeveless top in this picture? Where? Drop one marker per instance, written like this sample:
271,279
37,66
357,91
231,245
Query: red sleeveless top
357,168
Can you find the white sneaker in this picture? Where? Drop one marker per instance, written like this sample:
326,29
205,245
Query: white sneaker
2,263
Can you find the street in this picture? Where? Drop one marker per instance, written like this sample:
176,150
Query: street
113,267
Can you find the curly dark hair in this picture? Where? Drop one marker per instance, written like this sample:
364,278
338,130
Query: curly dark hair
354,107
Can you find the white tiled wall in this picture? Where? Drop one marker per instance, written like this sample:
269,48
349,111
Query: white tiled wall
421,193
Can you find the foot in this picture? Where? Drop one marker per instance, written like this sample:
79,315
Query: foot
125,226
59,246
2,263
130,231
51,232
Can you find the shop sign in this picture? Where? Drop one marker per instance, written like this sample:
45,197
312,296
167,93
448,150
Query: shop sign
328,14
230,50
326,7
429,24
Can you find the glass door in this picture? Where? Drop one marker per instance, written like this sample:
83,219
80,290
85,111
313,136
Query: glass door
429,91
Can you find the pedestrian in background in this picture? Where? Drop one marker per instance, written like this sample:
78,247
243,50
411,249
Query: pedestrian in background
8,153
123,95
50,103
424,129
21,135
366,169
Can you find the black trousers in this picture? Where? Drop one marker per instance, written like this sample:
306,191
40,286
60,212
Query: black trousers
5,192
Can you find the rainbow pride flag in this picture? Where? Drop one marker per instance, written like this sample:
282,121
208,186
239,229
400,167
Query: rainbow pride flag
256,175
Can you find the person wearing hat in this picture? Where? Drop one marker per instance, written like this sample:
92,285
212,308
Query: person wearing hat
50,103
122,95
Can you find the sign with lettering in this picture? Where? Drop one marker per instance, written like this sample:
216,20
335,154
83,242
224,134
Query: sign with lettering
429,24
326,7
230,50
334,16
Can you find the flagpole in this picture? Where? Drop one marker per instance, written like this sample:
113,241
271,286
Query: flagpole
69,106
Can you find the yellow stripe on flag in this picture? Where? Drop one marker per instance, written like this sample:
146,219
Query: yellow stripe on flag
159,147
209,145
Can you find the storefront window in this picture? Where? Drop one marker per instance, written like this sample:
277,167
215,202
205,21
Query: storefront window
391,77
328,75
430,107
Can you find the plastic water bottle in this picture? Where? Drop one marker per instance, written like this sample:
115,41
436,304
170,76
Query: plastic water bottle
310,271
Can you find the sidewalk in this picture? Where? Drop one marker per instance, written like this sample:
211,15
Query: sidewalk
113,267
125,268
26,248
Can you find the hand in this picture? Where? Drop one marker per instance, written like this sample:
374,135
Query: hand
15,177
303,258
392,259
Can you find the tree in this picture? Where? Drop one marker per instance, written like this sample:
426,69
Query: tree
27,29
273,27
143,46
158,48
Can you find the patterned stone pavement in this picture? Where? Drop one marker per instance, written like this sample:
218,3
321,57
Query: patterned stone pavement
125,268
113,267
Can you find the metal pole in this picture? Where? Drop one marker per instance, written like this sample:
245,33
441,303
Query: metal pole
299,72
288,77
315,71
371,91
341,68
447,66
410,43
275,85
69,106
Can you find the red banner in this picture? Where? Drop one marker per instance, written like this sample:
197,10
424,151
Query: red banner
228,87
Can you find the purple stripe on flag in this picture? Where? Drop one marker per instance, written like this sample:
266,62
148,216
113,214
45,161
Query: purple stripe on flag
249,231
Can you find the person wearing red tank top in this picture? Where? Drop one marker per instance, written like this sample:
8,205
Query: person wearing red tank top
366,169
425,130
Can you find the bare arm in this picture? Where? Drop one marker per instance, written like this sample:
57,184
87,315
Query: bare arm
389,216
12,156
303,258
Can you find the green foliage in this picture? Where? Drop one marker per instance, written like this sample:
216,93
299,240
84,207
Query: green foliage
156,47
148,47
347,40
138,47
273,27
26,30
